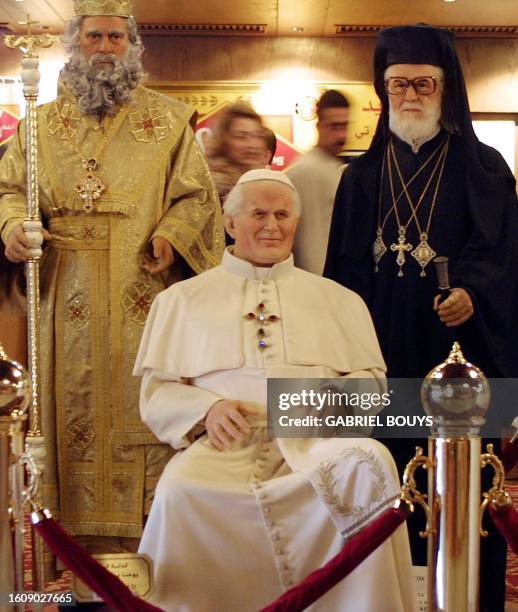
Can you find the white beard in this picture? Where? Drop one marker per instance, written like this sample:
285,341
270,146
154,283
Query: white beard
101,91
415,130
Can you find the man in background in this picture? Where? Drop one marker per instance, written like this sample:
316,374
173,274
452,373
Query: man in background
316,176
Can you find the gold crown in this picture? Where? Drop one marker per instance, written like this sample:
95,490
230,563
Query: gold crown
116,8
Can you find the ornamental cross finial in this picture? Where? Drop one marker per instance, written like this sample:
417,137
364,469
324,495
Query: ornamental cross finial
28,23
27,42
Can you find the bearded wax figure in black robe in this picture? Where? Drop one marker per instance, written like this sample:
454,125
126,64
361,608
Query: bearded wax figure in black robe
441,188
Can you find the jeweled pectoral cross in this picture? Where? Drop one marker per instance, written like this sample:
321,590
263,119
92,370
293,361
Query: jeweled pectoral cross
261,318
90,187
401,246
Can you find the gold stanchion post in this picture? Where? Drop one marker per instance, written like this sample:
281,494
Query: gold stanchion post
456,394
15,395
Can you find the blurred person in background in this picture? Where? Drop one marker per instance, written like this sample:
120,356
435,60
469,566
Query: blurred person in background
316,176
236,146
270,142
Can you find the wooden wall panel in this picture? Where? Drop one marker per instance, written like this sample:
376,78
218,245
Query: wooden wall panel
490,65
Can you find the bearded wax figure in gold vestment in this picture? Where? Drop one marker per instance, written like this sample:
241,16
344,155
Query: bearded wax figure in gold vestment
119,174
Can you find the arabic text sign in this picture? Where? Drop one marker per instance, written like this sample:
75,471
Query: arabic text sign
134,570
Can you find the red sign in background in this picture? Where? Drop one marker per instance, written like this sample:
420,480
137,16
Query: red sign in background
8,124
285,154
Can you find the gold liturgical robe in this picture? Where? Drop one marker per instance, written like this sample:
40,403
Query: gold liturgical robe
102,462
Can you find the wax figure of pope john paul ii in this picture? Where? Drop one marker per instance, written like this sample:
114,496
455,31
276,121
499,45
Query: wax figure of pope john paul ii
239,517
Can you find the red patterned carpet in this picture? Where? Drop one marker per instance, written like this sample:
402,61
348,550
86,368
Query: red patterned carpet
63,583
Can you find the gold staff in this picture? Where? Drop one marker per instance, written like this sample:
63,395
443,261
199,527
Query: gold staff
26,43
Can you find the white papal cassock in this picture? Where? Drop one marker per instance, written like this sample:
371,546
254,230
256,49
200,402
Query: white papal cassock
231,531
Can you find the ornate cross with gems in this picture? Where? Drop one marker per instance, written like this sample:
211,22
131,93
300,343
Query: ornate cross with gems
90,187
401,246
262,319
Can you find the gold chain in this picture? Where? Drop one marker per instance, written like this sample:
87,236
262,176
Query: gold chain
91,186
423,253
96,155
414,209
410,181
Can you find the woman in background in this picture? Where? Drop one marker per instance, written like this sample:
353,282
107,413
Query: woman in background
238,145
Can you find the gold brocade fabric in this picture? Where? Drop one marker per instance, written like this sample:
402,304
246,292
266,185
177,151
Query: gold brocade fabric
102,462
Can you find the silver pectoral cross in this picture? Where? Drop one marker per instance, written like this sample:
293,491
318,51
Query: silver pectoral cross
401,247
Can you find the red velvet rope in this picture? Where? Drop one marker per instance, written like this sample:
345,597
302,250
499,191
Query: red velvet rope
115,593
352,554
506,520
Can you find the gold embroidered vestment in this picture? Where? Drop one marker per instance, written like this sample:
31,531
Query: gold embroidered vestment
102,462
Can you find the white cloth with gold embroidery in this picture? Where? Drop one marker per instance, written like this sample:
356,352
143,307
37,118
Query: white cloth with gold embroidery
233,530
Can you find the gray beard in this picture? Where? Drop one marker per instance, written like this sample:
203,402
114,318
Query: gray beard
415,132
100,91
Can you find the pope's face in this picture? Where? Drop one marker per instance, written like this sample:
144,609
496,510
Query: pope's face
104,36
264,227
411,106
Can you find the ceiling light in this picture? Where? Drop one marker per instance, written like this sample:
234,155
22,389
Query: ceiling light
298,29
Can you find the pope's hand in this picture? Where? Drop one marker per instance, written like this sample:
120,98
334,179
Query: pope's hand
163,256
225,422
456,308
25,240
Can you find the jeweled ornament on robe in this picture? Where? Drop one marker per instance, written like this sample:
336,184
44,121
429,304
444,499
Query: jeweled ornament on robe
261,318
89,189
423,253
378,248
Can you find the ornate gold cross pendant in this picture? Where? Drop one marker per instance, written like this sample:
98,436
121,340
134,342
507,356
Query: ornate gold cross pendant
90,187
401,246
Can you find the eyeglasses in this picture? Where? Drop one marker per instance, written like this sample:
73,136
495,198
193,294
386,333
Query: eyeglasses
423,85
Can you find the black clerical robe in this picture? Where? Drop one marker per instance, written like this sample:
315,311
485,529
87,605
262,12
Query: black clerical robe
474,223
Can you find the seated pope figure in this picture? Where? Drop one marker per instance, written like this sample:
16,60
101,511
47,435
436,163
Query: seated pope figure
238,517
